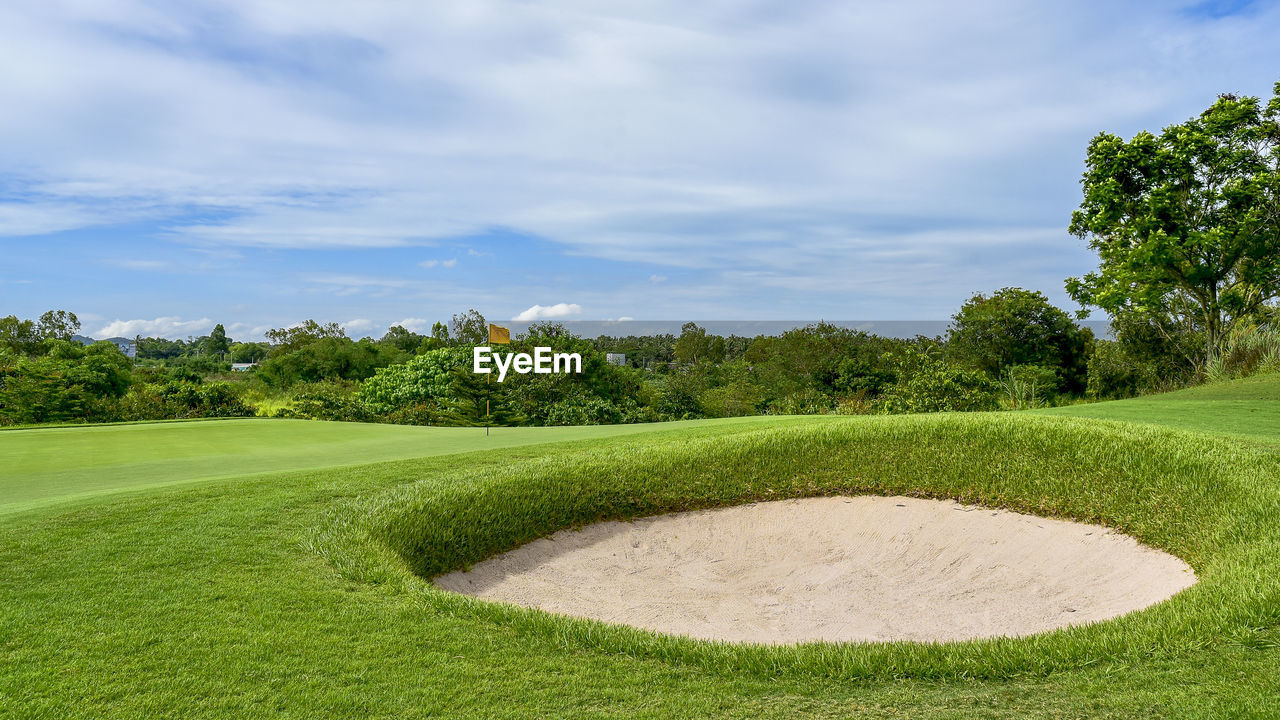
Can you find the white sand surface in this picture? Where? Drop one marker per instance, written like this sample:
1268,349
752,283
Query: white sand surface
836,568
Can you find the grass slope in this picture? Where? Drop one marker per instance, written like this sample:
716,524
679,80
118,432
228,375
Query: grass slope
51,465
300,594
1248,408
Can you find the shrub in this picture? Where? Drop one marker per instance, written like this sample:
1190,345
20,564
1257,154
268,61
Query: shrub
1028,386
424,380
1246,350
71,383
328,401
180,400
927,383
732,400
804,402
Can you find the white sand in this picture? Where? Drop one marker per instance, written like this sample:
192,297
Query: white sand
837,569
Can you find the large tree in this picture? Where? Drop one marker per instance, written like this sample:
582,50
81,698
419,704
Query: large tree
1186,223
218,343
57,325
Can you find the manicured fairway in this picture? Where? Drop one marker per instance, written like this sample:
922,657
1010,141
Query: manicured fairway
1247,408
50,465
301,593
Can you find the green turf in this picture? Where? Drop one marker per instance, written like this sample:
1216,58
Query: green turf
1245,408
300,593
51,465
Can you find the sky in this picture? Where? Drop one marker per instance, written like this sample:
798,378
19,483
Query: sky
168,166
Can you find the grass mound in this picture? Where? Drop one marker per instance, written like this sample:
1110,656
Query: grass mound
1207,502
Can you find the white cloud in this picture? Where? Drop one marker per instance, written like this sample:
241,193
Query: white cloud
794,145
160,327
413,324
558,311
144,265
441,263
358,325
655,279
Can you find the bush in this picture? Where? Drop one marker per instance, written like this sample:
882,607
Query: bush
732,400
1248,349
1151,353
328,401
174,400
1114,372
1028,386
927,383
71,383
424,380
804,402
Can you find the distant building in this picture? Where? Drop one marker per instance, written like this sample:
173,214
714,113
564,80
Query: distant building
126,345
243,367
616,358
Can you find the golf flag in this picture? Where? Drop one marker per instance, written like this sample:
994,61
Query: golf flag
499,335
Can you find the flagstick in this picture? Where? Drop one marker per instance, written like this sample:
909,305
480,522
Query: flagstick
487,379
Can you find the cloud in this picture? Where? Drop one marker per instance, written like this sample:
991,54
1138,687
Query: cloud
412,324
788,144
159,327
358,325
442,263
655,279
142,265
549,312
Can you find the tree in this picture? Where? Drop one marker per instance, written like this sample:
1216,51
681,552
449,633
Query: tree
476,399
440,333
1019,327
694,345
469,328
70,382
399,337
1186,222
20,336
248,352
218,342
57,325
287,340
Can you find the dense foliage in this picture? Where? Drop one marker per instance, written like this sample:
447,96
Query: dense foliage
1186,223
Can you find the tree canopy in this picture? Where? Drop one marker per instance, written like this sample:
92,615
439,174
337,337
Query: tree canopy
1186,222
1020,327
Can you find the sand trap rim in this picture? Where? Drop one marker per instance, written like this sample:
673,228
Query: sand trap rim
437,526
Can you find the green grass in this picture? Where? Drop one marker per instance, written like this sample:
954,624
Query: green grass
301,593
1248,408
53,465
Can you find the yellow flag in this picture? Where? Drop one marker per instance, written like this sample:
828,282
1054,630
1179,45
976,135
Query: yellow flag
499,335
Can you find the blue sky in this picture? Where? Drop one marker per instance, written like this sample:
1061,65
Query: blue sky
166,166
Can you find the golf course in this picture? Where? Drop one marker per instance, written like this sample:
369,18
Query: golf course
282,568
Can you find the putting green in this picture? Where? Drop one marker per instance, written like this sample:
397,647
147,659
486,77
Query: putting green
42,466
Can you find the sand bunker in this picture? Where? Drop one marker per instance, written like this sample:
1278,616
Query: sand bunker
837,569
